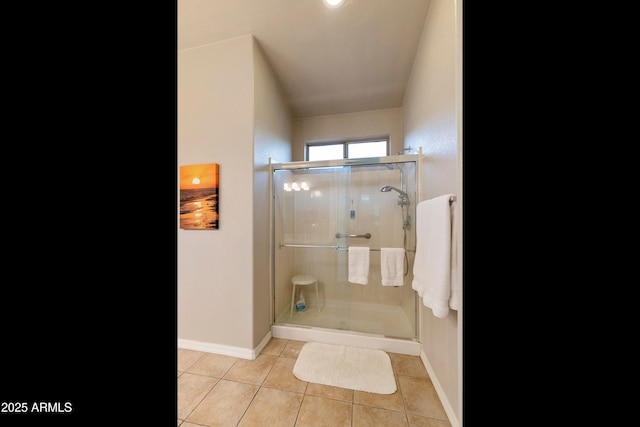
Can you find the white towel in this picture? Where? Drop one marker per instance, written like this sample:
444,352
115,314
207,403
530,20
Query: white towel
455,300
359,264
432,263
392,266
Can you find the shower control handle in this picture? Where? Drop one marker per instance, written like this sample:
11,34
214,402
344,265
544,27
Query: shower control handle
366,236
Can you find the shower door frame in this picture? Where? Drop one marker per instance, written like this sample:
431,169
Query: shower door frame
366,161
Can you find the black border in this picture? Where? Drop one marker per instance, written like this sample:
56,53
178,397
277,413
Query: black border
90,310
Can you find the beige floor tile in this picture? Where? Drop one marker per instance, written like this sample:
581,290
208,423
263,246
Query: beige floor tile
416,421
320,412
186,358
224,405
364,416
272,408
420,398
392,402
292,349
274,347
213,365
330,392
409,366
192,389
251,371
281,377
218,390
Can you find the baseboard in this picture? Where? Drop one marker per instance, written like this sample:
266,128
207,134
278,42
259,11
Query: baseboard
226,350
262,344
453,419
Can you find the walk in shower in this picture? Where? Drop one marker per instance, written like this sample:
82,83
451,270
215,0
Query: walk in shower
319,210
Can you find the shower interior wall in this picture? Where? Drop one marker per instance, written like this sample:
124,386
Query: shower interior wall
314,216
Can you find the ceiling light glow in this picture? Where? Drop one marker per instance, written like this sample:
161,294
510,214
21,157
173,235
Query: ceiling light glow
333,3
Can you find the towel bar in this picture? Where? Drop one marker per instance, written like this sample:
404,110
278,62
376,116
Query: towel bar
337,248
366,236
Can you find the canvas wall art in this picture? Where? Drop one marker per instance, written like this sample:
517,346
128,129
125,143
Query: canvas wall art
199,197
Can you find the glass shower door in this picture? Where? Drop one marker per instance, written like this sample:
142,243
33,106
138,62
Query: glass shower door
321,211
344,211
370,216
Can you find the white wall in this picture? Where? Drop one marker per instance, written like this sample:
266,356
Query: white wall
229,112
363,124
215,275
272,138
432,120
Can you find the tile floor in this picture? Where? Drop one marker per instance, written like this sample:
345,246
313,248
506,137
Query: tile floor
217,390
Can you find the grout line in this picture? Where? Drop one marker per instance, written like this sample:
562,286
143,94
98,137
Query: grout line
203,397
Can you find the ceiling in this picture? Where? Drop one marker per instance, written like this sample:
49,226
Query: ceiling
357,57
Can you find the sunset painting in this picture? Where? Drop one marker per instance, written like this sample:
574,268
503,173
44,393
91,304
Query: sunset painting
199,197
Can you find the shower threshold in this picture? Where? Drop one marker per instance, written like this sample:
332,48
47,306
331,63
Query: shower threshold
350,338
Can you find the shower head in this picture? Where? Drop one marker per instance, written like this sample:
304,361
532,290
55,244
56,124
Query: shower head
403,200
388,188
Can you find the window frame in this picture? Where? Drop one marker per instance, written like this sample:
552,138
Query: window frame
345,145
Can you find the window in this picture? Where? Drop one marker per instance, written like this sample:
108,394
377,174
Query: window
347,149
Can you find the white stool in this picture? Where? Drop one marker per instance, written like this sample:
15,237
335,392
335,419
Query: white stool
303,280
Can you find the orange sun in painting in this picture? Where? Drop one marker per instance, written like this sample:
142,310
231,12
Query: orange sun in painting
199,176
